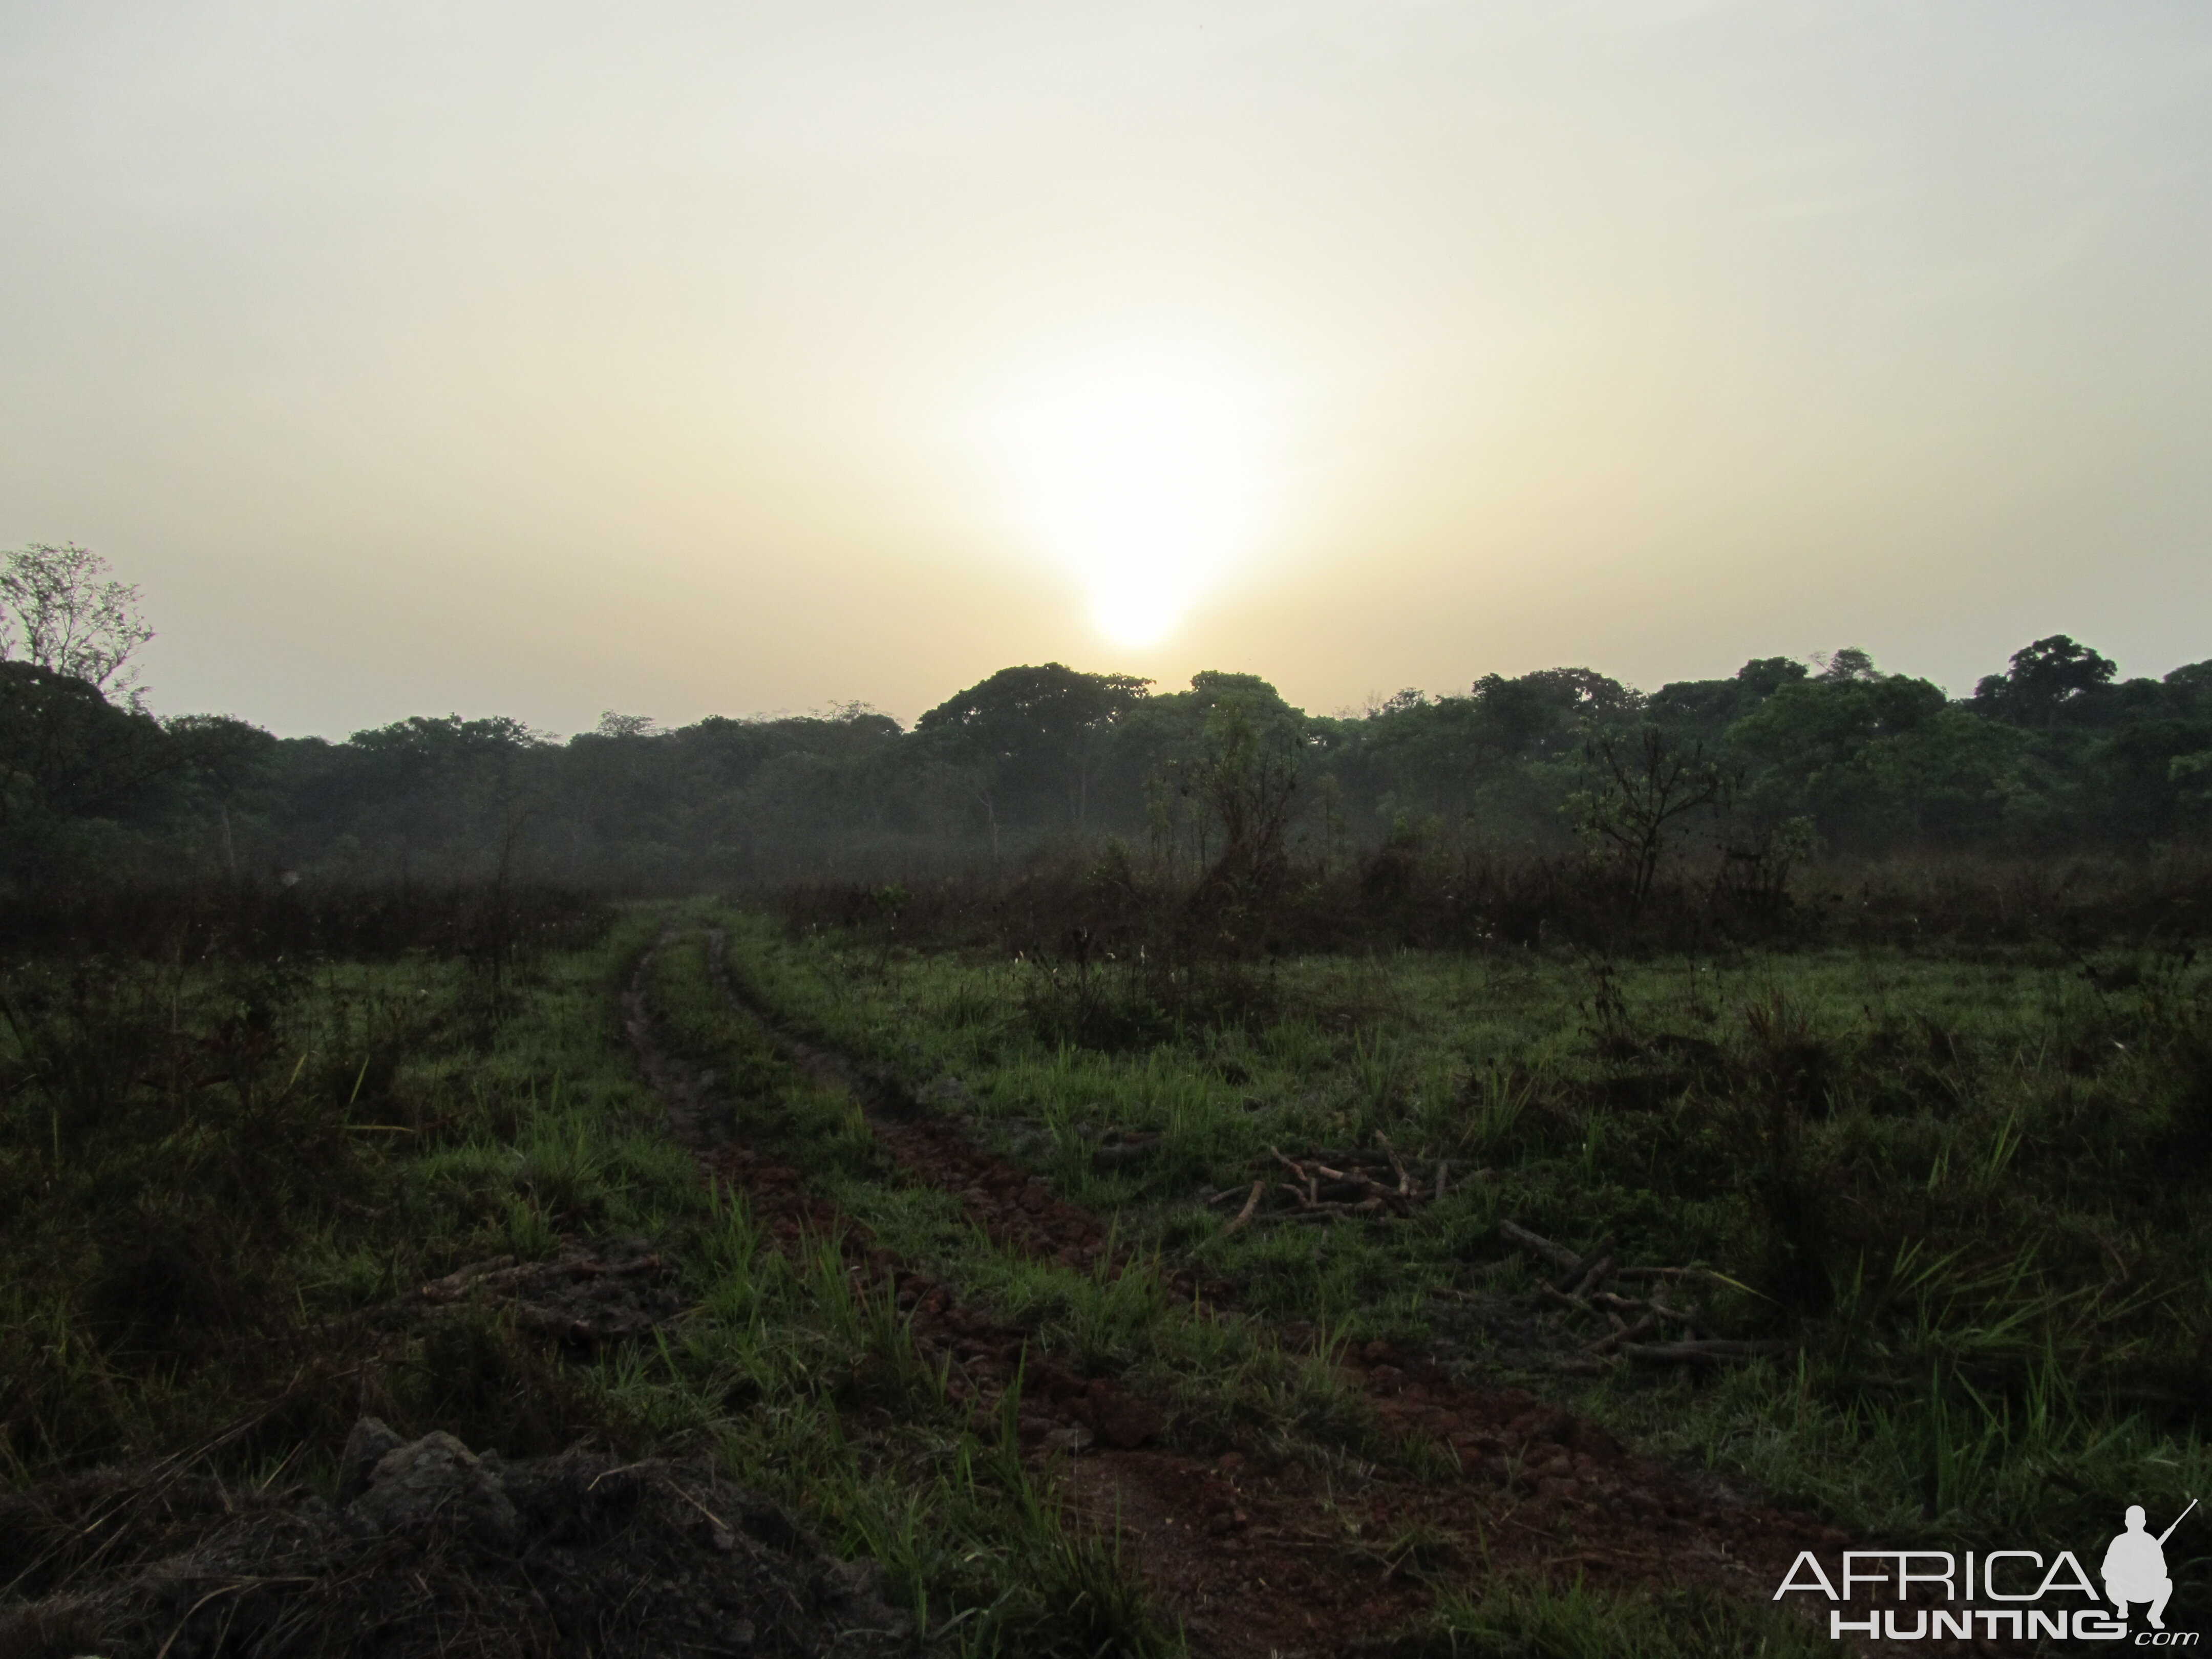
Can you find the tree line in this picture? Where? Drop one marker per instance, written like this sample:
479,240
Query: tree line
1763,767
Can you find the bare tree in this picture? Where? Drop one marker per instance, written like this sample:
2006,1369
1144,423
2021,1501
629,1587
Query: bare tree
1639,787
61,610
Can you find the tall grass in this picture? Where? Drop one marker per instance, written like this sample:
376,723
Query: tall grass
221,1176
1962,1183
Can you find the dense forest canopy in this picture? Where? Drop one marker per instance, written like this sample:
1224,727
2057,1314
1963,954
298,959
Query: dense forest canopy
2056,753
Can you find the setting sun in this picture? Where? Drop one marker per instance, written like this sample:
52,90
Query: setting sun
751,750
1141,477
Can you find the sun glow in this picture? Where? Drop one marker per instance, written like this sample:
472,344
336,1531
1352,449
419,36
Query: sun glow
1140,475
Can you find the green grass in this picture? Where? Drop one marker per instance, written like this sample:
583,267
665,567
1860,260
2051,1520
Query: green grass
1528,1617
1967,1188
216,1175
1228,1379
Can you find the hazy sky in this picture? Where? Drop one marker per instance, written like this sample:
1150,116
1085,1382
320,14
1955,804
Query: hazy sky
690,358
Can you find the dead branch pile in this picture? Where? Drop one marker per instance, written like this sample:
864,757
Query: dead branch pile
1325,1185
1635,1322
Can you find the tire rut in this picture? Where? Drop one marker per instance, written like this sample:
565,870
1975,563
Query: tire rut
1258,1559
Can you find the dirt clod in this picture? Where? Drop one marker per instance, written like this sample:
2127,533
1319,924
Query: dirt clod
436,1480
441,1551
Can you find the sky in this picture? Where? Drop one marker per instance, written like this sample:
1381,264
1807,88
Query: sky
684,358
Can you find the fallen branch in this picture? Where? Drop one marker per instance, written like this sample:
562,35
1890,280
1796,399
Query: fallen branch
1328,1184
1647,1326
1382,1140
1346,1159
1325,1211
1365,1206
1715,1353
457,1284
1616,1305
1536,1244
1694,1272
1244,1215
1590,1270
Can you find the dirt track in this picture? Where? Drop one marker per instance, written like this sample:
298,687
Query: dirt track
1257,1560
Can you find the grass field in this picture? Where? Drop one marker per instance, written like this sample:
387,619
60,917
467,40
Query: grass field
1966,1188
1962,1192
221,1176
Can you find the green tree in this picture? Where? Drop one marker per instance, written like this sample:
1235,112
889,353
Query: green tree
68,757
1247,779
1030,739
222,763
1797,747
2139,779
1703,710
1849,664
1949,777
2047,680
60,610
441,787
1547,712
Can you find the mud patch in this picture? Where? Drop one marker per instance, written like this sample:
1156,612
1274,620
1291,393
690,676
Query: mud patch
1264,1558
1015,1207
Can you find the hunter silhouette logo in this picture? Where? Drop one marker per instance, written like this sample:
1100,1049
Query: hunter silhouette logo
2027,1607
2135,1566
